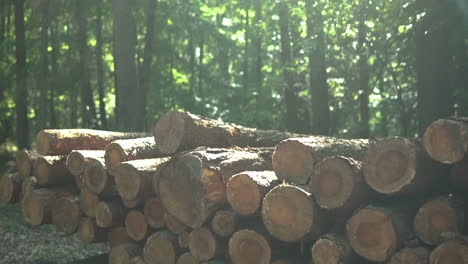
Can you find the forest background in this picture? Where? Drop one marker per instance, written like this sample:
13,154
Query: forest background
348,68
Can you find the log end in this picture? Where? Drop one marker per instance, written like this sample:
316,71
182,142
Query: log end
202,243
32,207
124,253
159,248
75,163
325,251
187,258
24,163
154,213
450,252
95,176
88,202
169,132
243,194
107,214
128,181
10,187
114,156
248,247
117,236
224,223
417,255
87,230
28,185
293,162
66,215
136,226
445,141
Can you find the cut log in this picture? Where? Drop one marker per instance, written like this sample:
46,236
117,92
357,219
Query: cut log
205,245
332,248
187,258
51,170
77,160
446,140
25,160
109,214
66,214
89,232
134,178
79,181
246,190
122,254
118,236
28,185
161,248
137,260
290,214
450,252
224,223
154,213
130,149
376,233
249,247
192,185
176,131
459,175
10,188
63,141
136,226
173,224
338,185
98,180
395,165
183,239
438,215
37,205
294,159
88,202
418,255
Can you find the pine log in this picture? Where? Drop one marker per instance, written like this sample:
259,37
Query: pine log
161,248
50,170
132,203
109,214
134,178
205,245
88,202
136,225
446,140
122,254
173,224
192,185
224,223
89,232
376,233
66,214
249,247
63,141
459,175
176,131
37,205
98,180
290,214
187,258
395,165
154,213
183,239
77,160
338,185
332,248
294,159
418,255
438,215
118,236
130,149
28,185
246,190
10,188
450,252
25,160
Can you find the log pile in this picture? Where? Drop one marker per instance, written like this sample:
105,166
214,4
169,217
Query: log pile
205,191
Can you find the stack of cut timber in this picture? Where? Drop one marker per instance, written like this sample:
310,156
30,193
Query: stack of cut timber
205,191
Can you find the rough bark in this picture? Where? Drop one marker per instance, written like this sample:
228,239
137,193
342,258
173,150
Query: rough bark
50,170
78,159
154,213
177,131
246,190
294,159
98,180
290,214
450,252
364,74
28,185
25,160
118,236
130,149
63,141
337,184
88,202
66,214
161,247
224,223
439,215
134,179
173,224
418,255
446,140
204,245
109,214
249,247
332,248
395,165
136,226
10,188
187,258
100,68
89,232
192,185
43,82
124,253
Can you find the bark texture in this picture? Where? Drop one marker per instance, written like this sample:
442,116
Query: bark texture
130,149
50,170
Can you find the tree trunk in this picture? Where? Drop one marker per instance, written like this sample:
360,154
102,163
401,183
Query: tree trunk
192,185
154,213
294,159
249,247
128,116
136,225
245,191
204,245
51,170
177,131
364,74
187,258
118,236
63,141
10,188
418,255
25,161
124,253
130,149
89,232
77,160
43,78
98,180
224,223
21,95
100,68
88,202
262,95
173,224
450,252
245,70
29,184
66,214
161,247
332,248
109,214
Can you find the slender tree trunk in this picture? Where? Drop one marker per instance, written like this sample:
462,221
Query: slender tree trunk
257,43
318,72
100,67
128,117
200,66
3,20
363,75
43,78
21,89
290,95
54,66
245,74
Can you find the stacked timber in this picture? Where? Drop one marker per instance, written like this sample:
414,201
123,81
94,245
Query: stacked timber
205,191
